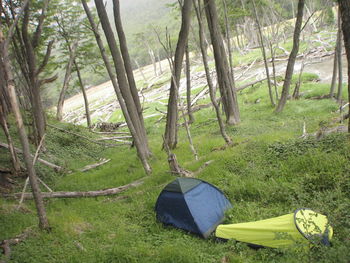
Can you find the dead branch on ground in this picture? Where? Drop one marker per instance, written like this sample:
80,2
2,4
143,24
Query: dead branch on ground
110,191
92,166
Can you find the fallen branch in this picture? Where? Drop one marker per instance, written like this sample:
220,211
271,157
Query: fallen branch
250,84
54,166
82,136
119,133
111,191
92,166
201,94
5,244
200,169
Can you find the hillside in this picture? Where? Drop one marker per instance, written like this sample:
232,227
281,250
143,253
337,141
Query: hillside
137,14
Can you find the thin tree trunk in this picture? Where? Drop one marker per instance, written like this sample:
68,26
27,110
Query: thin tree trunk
14,158
141,71
43,222
170,136
153,60
67,78
86,101
228,40
274,70
124,86
29,46
264,55
129,71
335,71
159,64
188,86
292,57
339,60
296,92
133,131
207,73
225,80
344,6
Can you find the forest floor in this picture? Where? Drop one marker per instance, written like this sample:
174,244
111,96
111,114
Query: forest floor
270,171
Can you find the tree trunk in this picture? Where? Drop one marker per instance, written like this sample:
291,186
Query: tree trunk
153,60
31,70
14,158
170,136
264,54
86,101
159,63
43,222
335,71
344,6
339,60
188,86
124,85
274,70
296,92
133,131
225,79
127,61
207,73
141,71
292,57
67,78
228,39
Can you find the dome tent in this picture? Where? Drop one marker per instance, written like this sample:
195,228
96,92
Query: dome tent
302,226
192,205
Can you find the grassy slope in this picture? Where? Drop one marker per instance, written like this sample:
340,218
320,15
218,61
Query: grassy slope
269,173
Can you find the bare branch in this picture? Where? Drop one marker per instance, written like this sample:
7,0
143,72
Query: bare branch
39,28
46,58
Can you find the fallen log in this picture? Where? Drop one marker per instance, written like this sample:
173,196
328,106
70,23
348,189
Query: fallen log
110,191
250,84
92,166
54,166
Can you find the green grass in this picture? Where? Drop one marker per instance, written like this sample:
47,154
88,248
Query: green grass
269,173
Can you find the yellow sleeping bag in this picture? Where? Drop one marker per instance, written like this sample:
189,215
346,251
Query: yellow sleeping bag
302,226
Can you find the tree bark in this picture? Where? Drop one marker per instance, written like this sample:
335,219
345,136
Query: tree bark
43,222
170,136
225,80
292,57
188,86
129,121
344,6
67,78
207,73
